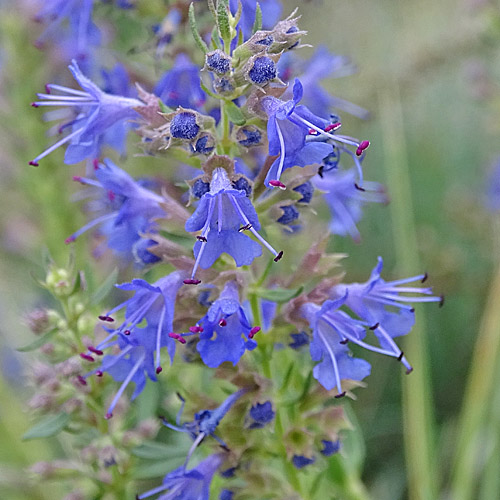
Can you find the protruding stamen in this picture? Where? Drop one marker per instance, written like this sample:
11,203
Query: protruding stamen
375,326
358,187
424,279
69,240
196,329
35,105
201,238
277,184
81,380
108,416
33,163
99,373
95,351
441,300
340,395
401,354
333,126
344,342
158,370
126,332
247,227
253,331
362,146
409,370
279,256
192,282
177,337
222,322
86,357
311,131
104,317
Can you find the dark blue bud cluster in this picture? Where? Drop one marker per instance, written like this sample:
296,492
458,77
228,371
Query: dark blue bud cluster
184,126
263,70
299,340
306,190
299,461
290,213
199,188
261,414
218,62
242,184
249,136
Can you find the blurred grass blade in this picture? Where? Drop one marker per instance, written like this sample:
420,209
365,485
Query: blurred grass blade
417,396
481,386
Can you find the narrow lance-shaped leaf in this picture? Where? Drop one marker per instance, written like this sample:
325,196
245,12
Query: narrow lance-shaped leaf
194,30
48,426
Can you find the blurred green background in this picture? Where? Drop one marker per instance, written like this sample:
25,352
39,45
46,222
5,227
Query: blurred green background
429,74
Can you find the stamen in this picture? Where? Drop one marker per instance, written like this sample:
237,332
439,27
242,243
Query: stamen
33,163
340,395
253,331
81,380
86,357
95,351
374,327
158,339
245,228
441,300
344,342
191,282
362,146
201,238
359,188
279,256
196,329
177,337
222,322
109,319
278,184
126,332
424,279
99,373
333,126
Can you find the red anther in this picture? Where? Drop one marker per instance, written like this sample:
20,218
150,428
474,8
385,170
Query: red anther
104,317
108,416
441,301
33,163
311,131
192,282
126,332
35,105
69,240
81,380
278,257
95,351
409,370
375,326
333,126
86,357
341,395
159,370
401,354
99,373
47,88
201,238
77,178
222,322
95,162
196,329
358,187
424,279
173,335
278,184
182,340
362,146
253,331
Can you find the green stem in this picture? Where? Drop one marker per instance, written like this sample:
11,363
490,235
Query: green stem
417,395
482,383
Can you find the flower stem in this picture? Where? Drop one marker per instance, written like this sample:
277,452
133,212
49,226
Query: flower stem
417,395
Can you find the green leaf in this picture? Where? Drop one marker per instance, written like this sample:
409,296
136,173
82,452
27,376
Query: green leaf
48,426
279,295
208,91
257,25
104,288
152,450
78,283
163,107
157,468
234,113
223,21
194,30
38,342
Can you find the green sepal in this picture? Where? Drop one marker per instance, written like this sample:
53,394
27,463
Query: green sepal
194,30
257,25
223,21
234,113
48,426
163,107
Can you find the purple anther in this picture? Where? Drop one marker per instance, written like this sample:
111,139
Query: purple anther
362,146
192,282
278,257
222,322
253,331
277,184
95,351
86,357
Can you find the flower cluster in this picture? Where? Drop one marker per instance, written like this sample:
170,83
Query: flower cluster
247,155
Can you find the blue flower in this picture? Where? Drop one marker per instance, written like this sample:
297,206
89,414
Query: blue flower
299,137
139,346
271,12
384,306
300,461
80,34
97,113
223,214
127,210
205,422
188,485
225,331
299,340
330,447
346,199
261,414
331,331
180,86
